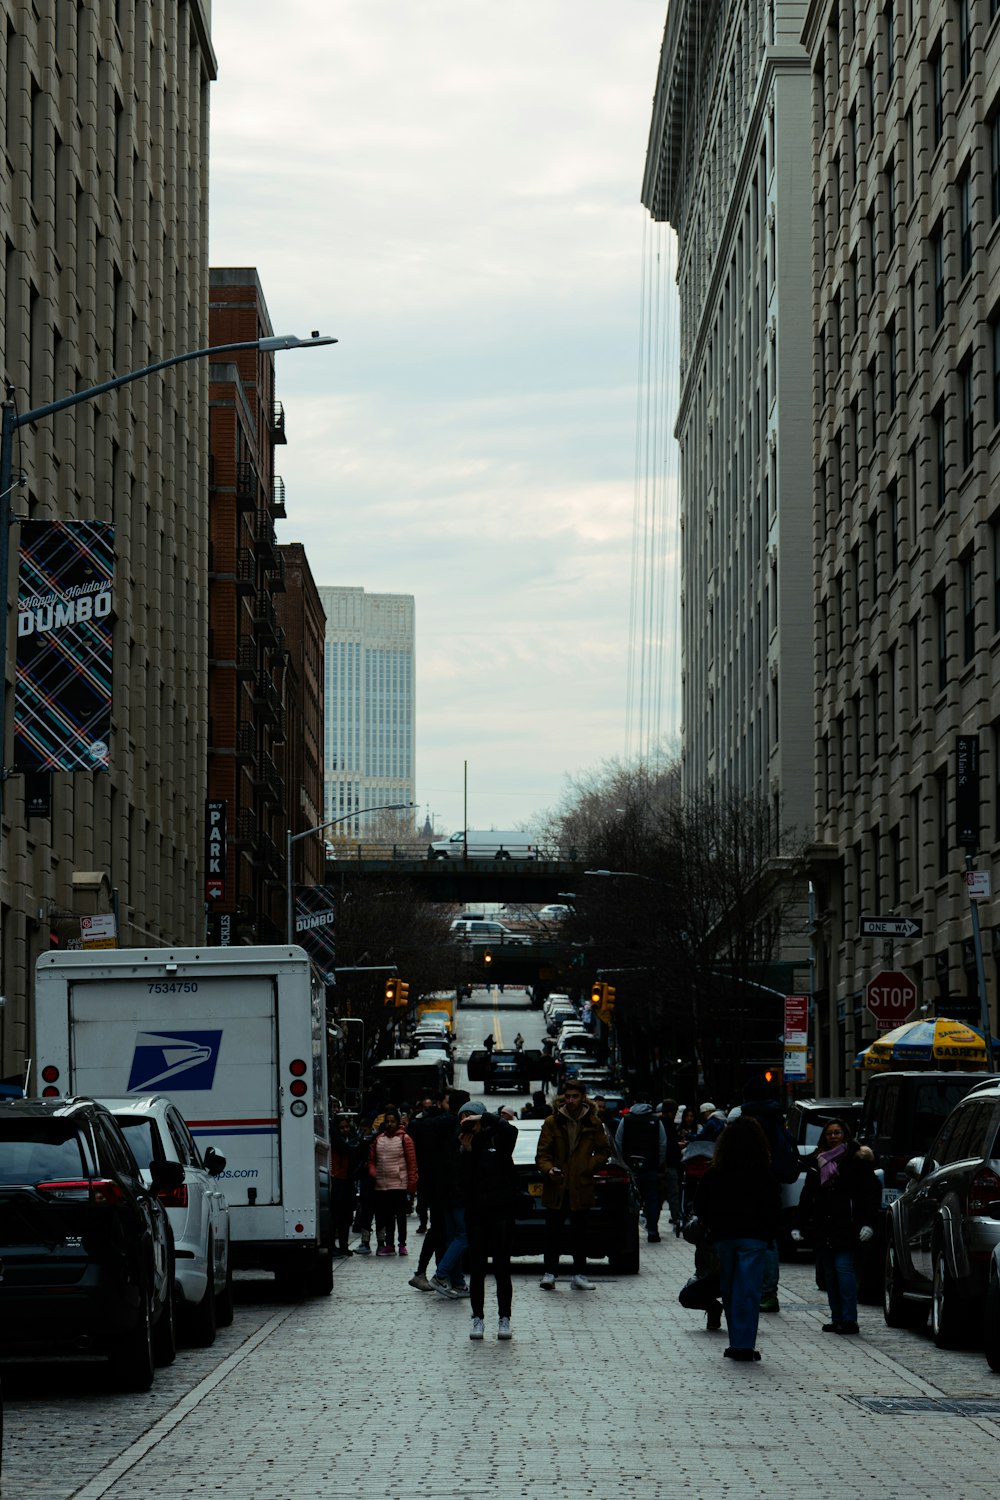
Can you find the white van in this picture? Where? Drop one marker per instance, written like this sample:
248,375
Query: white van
493,843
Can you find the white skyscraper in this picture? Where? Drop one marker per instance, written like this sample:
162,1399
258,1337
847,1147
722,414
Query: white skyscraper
370,703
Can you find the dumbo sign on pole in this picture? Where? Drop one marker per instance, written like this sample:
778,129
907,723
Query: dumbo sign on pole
62,708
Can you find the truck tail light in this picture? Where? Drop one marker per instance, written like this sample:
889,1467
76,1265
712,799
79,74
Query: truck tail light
297,1087
984,1192
298,1068
100,1191
174,1197
50,1073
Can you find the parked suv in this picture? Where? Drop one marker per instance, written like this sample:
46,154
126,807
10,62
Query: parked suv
942,1231
902,1114
87,1252
197,1209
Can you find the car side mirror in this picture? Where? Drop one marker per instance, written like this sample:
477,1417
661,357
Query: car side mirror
167,1176
914,1168
215,1163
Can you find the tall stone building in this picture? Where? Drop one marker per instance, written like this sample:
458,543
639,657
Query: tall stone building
303,623
906,456
728,166
369,703
103,208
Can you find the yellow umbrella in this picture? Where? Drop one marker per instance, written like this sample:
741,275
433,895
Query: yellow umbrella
939,1040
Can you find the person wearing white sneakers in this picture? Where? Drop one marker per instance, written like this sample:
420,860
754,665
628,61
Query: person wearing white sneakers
488,1189
572,1145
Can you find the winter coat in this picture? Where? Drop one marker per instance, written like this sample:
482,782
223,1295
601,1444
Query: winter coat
739,1205
346,1155
642,1139
393,1169
577,1156
486,1175
833,1215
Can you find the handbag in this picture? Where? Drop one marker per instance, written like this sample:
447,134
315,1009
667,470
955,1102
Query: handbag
699,1292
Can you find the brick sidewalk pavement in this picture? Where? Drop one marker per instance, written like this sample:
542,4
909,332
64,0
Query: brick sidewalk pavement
378,1392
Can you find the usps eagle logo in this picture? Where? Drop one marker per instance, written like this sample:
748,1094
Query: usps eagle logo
181,1059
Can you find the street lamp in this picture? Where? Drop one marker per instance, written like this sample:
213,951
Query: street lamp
12,421
293,838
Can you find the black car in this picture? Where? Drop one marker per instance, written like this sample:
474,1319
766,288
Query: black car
86,1246
942,1231
612,1224
504,1069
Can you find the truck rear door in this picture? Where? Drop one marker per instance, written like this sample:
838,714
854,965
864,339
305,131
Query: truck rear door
210,1044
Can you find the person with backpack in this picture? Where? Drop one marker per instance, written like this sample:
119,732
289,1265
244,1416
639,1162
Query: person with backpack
761,1104
642,1141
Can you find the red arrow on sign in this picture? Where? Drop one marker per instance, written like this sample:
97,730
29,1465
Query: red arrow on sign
891,997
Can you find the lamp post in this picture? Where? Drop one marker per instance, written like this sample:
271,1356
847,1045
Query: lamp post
293,838
12,421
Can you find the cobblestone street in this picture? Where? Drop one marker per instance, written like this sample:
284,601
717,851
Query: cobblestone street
619,1392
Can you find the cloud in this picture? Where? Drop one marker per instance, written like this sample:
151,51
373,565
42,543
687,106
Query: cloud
453,191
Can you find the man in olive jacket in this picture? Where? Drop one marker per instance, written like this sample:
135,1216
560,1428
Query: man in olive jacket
572,1144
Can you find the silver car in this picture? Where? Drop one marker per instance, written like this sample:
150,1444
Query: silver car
197,1210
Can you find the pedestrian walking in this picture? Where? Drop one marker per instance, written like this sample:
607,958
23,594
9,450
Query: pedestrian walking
761,1103
739,1204
347,1154
489,1042
446,1222
519,1043
687,1125
392,1165
571,1146
838,1210
670,1176
642,1140
419,1129
488,1189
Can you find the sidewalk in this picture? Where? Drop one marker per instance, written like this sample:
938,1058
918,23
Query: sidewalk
614,1393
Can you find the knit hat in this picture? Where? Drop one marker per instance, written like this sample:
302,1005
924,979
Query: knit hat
707,1109
472,1107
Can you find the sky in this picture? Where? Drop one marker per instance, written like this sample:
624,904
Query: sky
452,190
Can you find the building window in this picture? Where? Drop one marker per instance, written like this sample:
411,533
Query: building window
852,139
965,221
890,202
893,509
941,780
937,95
968,422
890,44
940,469
995,167
937,273
872,247
892,369
964,41
995,341
995,540
968,606
939,605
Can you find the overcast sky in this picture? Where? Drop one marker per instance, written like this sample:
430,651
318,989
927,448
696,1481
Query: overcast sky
452,189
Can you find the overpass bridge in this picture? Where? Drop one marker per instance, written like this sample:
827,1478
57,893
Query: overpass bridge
469,881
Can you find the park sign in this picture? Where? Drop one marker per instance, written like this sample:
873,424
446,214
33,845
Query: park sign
891,996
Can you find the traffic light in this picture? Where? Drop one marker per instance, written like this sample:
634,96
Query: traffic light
391,989
487,957
597,995
402,993
608,1008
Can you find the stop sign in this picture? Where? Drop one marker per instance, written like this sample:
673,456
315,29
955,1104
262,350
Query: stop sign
891,997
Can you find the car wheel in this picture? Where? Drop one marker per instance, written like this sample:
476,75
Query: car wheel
224,1304
131,1358
898,1313
991,1325
165,1331
949,1319
201,1317
321,1273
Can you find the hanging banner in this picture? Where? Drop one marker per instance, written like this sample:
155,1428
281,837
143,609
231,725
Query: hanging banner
62,706
315,912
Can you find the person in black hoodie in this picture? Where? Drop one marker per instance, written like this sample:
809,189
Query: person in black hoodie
739,1204
488,1189
839,1209
761,1102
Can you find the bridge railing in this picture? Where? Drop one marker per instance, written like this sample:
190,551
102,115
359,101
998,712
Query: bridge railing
407,849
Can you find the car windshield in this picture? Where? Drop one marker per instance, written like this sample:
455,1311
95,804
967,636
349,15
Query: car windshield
140,1134
39,1151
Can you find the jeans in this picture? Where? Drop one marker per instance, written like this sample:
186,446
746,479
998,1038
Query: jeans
841,1283
390,1215
554,1220
490,1237
449,1267
772,1267
741,1273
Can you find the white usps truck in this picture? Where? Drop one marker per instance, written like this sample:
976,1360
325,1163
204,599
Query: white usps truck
236,1037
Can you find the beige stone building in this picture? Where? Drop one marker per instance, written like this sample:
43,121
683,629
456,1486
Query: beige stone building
906,457
103,207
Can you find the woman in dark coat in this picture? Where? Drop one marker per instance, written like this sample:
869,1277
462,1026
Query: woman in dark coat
838,1210
739,1203
488,1187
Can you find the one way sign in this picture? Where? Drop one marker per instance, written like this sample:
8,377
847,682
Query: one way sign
892,927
